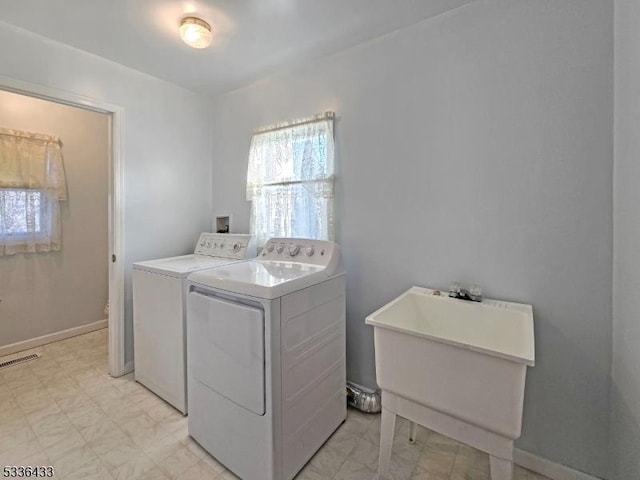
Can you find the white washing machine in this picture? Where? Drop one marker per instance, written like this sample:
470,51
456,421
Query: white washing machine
267,371
159,312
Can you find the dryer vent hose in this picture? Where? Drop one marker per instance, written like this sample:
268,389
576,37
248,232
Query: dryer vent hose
364,399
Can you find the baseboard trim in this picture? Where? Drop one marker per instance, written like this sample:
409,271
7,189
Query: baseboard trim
52,337
550,469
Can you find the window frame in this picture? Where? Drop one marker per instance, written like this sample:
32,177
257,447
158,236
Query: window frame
261,178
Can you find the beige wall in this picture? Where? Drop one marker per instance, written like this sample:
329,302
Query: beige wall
49,292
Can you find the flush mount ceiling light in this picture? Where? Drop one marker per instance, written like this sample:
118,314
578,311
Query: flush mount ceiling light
195,32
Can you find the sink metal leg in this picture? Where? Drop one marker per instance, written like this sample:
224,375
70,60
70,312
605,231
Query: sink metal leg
412,432
387,428
501,469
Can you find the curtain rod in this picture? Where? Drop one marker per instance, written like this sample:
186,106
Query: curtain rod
29,135
294,123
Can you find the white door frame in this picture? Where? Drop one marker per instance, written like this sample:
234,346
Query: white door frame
117,366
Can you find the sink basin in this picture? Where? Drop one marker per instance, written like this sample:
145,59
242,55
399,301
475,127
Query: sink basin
456,367
500,329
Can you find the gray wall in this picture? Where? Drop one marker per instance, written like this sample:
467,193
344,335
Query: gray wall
626,272
475,146
44,293
166,144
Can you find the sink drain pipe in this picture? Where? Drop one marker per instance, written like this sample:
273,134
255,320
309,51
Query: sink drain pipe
363,398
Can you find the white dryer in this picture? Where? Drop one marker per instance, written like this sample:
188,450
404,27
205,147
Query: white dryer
267,371
159,312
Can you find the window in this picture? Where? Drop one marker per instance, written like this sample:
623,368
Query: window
24,212
32,184
290,180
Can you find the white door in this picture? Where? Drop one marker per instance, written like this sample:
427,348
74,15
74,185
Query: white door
226,349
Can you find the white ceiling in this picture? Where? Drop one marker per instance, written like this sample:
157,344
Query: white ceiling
252,38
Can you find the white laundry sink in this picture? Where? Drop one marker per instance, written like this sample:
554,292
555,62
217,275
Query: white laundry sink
455,366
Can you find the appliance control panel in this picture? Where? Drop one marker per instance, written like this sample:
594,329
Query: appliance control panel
226,245
302,250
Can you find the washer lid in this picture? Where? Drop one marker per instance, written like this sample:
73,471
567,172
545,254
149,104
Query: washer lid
260,278
183,265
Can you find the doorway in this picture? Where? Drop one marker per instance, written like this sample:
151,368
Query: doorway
115,205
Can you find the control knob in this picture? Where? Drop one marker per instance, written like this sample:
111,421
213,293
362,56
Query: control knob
310,251
294,250
236,247
280,249
269,248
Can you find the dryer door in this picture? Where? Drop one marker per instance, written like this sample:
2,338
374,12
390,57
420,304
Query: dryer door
226,349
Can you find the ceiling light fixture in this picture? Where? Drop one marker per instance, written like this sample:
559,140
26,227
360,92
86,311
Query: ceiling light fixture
195,32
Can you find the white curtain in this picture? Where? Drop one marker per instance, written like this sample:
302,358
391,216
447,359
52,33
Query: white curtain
290,180
32,183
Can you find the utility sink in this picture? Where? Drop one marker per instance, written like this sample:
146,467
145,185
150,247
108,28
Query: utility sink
456,367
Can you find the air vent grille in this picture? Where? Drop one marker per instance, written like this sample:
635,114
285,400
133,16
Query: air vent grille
19,360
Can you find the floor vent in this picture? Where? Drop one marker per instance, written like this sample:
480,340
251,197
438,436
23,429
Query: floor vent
19,360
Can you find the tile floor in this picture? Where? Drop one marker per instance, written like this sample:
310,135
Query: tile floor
65,410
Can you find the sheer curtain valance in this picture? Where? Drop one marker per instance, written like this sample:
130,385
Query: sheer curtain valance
31,161
32,183
290,179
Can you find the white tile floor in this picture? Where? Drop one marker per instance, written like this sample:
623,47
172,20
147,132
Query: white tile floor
65,410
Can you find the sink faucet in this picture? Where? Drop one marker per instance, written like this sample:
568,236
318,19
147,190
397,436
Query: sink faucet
474,294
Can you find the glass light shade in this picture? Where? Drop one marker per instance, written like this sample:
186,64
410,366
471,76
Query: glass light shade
195,32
